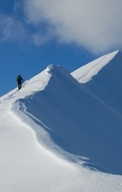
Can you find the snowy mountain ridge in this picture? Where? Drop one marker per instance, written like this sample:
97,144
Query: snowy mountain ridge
85,73
105,85
62,135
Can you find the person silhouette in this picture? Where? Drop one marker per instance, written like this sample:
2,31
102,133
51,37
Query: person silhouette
19,81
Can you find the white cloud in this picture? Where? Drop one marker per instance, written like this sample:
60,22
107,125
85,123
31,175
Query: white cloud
10,28
13,29
94,24
40,38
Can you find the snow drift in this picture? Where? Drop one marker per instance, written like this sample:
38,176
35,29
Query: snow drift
77,118
80,122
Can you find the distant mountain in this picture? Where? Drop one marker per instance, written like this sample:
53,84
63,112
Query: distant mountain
103,78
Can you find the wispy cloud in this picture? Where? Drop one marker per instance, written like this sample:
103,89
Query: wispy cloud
96,25
10,28
40,38
18,27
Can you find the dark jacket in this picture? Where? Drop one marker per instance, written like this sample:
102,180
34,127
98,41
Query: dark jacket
19,79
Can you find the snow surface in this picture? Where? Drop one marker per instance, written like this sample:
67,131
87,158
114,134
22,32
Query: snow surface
85,73
61,135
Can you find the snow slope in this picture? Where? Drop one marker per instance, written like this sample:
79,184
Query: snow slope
105,83
57,134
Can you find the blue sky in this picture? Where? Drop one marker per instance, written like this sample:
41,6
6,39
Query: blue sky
36,33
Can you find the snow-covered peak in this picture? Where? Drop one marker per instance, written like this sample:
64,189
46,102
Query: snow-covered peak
57,134
88,71
103,78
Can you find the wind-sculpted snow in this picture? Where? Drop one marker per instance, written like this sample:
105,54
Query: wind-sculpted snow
106,85
78,121
85,73
59,135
